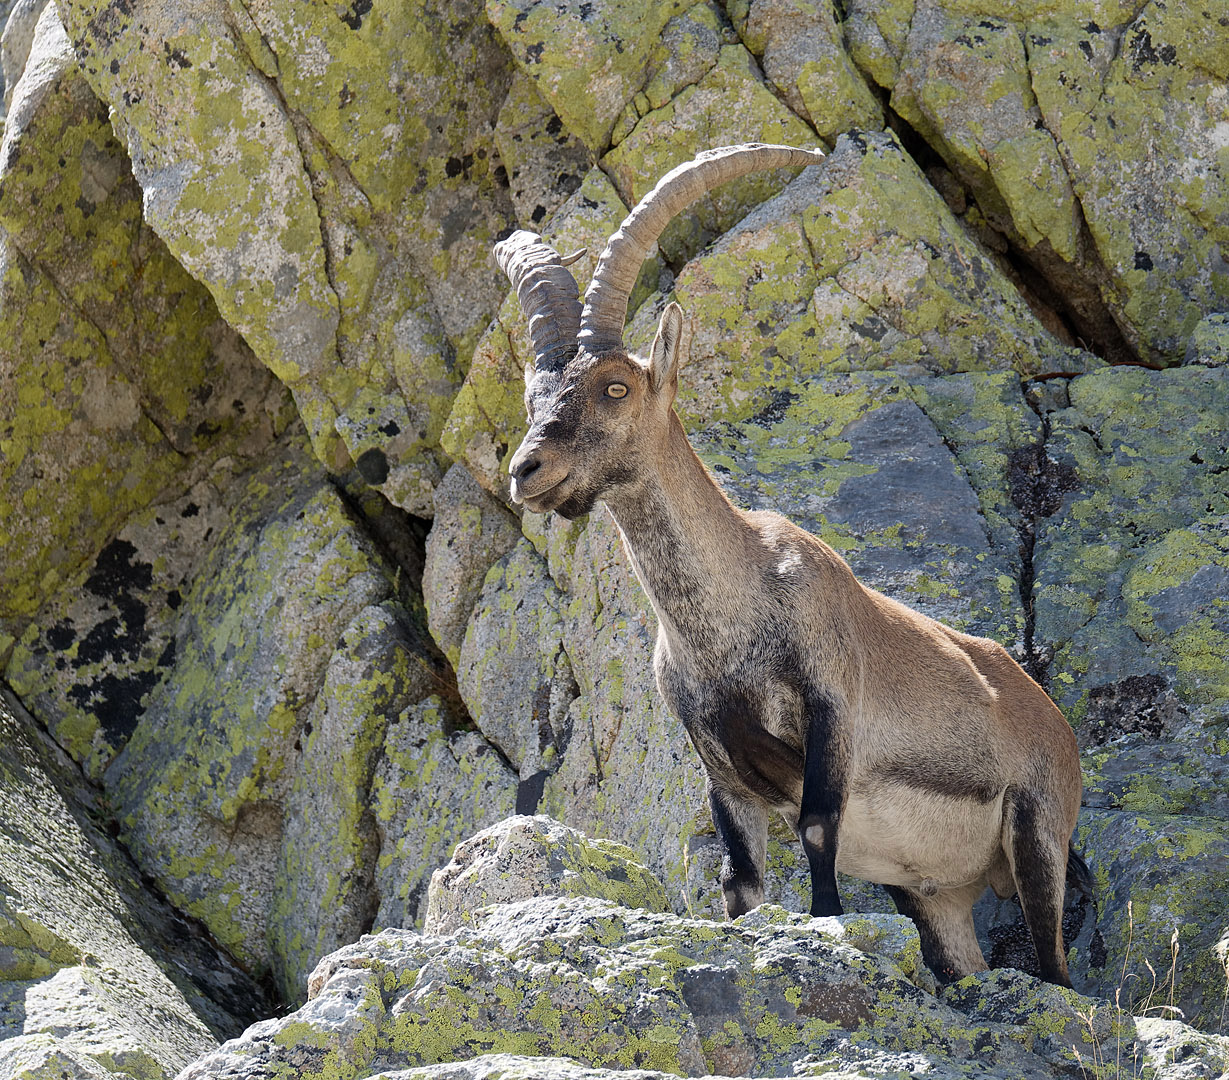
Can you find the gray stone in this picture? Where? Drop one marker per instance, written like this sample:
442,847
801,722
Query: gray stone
19,21
470,532
522,857
93,968
201,787
324,894
629,993
545,163
803,53
1136,519
433,786
513,672
44,1057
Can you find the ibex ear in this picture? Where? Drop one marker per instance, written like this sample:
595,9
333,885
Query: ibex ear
666,357
530,372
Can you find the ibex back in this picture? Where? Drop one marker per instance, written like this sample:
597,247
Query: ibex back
901,751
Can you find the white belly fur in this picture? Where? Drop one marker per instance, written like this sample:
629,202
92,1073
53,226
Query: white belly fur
901,836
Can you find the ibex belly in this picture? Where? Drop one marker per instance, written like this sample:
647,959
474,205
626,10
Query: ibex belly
895,835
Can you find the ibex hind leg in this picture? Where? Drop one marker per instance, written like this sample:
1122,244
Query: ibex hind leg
742,830
944,922
1036,844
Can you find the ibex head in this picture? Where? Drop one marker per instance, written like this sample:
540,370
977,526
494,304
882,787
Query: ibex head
595,410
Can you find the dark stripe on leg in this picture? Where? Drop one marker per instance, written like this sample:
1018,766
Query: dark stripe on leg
823,791
933,953
742,870
1041,883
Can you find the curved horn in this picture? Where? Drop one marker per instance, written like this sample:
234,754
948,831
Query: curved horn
548,295
601,323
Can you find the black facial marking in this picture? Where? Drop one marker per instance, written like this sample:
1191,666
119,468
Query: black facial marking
952,779
577,504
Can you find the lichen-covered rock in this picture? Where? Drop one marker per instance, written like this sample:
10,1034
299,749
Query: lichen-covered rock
634,994
358,269
513,671
877,31
1209,344
730,104
803,52
1131,563
818,280
397,145
990,129
44,1057
1059,125
324,893
1139,767
545,163
434,786
201,786
1135,105
1157,876
95,974
111,629
471,532
588,60
114,362
1177,1050
256,247
522,857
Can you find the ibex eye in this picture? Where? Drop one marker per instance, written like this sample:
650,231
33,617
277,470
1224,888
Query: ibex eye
616,390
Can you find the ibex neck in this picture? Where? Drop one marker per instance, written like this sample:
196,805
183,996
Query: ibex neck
691,549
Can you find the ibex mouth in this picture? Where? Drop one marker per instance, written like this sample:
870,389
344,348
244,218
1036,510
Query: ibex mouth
539,501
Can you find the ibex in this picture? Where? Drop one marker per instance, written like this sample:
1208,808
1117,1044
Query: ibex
900,751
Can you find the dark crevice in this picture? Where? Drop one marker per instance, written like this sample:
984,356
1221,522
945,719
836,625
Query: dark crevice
1065,297
1037,484
399,536
400,539
1051,284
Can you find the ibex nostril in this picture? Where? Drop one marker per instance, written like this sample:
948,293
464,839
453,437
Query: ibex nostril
524,470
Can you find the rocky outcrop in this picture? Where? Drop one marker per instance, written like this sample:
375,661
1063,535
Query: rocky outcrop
261,582
95,971
523,857
621,990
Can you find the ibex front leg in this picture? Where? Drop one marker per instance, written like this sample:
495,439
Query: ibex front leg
742,829
823,794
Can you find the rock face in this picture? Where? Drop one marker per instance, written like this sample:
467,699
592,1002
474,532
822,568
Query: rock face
262,585
623,990
93,969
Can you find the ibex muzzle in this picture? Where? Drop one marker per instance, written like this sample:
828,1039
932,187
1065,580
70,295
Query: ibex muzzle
900,751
